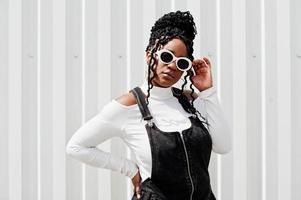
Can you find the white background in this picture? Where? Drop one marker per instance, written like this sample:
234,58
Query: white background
62,60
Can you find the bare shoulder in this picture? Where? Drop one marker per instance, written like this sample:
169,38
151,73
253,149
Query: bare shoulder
127,99
187,94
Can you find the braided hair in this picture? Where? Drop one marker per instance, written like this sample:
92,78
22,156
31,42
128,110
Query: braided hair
172,25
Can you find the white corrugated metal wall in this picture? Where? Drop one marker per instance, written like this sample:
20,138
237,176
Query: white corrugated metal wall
62,60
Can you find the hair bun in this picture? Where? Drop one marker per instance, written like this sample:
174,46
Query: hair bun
176,20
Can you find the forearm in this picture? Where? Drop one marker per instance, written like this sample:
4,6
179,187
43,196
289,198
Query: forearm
83,144
96,157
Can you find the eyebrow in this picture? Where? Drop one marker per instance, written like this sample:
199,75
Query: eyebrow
171,51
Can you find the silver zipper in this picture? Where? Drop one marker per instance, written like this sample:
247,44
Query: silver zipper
187,160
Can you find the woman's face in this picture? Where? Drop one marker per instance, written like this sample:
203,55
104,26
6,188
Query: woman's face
168,74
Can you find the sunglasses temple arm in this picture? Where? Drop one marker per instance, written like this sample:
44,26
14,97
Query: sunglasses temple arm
193,72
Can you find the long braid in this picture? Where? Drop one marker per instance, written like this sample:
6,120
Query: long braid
190,109
192,89
185,82
149,78
204,120
151,64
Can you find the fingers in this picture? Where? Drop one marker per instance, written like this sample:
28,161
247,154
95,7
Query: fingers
207,61
201,65
203,60
136,182
137,191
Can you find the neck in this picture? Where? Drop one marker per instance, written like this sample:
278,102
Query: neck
158,85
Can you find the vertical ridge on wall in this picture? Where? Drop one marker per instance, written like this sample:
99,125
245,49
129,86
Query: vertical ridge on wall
83,86
295,43
4,103
263,98
218,83
29,100
226,94
253,98
135,53
148,20
104,87
74,95
131,66
239,100
46,100
59,99
38,82
284,98
15,99
128,44
271,103
90,65
118,84
135,48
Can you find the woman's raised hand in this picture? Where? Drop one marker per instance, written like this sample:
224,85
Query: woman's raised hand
202,79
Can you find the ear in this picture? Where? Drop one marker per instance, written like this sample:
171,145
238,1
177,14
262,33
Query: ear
147,57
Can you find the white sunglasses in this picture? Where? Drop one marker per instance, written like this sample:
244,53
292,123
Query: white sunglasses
165,56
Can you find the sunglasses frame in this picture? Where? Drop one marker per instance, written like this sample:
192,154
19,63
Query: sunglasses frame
174,58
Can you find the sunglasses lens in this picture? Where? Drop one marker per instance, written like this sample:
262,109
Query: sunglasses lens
183,64
166,57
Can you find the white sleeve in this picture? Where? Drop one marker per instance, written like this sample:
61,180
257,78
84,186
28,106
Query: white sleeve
208,105
105,125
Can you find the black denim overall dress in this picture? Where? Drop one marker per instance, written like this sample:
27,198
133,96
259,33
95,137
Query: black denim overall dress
179,159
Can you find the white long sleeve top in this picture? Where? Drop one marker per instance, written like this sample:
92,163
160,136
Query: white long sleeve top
118,120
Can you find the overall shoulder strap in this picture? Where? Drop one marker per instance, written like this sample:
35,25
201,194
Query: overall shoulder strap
140,98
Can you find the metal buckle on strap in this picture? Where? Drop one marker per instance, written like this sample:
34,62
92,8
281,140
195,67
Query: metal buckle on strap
150,122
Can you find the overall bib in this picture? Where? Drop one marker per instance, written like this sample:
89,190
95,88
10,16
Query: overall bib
180,159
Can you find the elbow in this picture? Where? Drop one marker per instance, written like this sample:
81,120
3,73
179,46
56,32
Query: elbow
222,150
69,149
224,146
72,149
79,152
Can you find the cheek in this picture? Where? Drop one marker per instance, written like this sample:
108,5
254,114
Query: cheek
179,74
159,67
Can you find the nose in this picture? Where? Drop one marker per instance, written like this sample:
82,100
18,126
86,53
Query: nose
172,65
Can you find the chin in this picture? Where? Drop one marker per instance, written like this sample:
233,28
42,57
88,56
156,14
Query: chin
163,82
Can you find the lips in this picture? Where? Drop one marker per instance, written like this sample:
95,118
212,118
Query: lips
169,74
